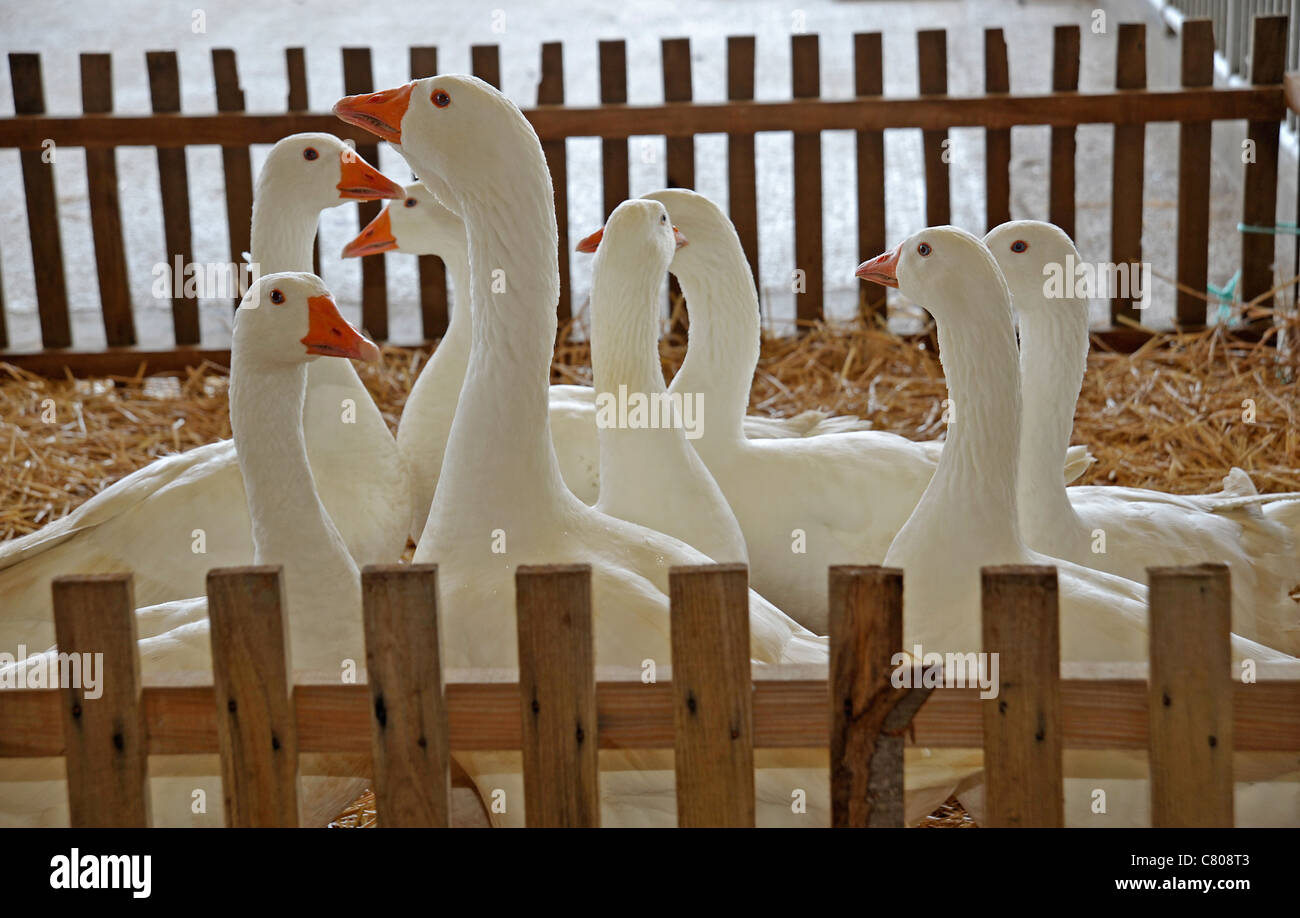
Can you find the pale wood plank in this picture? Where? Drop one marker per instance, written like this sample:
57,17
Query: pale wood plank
256,728
411,749
713,715
557,696
1023,738
1191,739
106,748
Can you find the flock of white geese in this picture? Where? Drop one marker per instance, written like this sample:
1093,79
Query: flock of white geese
492,467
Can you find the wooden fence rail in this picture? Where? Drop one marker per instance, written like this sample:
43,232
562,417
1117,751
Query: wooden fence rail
1130,107
714,711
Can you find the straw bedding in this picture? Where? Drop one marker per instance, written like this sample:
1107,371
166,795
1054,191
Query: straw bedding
1170,416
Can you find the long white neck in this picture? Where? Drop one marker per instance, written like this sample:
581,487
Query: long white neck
975,483
499,454
448,362
1053,358
723,341
624,354
290,525
284,228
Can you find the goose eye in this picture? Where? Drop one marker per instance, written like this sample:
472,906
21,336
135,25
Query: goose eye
310,154
1019,246
663,218
277,296
410,202
923,249
440,98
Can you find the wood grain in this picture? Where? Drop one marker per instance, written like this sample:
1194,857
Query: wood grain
1128,163
1065,80
1191,697
557,696
256,728
713,716
42,205
173,177
411,748
105,210
106,748
1023,740
868,80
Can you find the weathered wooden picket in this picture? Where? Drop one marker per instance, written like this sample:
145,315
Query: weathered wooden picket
714,710
1131,107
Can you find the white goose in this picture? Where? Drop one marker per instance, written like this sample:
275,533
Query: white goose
1141,528
155,521
500,486
422,225
967,518
803,504
648,475
283,322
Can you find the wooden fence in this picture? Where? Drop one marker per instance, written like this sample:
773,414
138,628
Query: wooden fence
714,711
1131,107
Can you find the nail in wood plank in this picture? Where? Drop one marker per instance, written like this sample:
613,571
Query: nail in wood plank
256,727
1023,726
1194,178
613,153
1065,78
868,80
42,208
434,309
806,84
106,746
713,715
105,211
173,177
557,696
235,162
550,91
1191,694
997,143
374,272
411,749
1127,165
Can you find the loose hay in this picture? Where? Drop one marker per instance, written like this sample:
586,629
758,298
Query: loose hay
1171,416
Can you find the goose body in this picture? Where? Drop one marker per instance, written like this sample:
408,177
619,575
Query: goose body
154,521
1126,530
283,321
803,504
967,517
500,500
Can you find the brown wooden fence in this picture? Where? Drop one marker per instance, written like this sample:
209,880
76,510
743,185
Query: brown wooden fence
714,710
1130,107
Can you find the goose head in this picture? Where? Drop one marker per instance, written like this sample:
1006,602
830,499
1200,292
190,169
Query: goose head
322,171
1027,251
459,134
638,237
700,219
418,224
942,268
291,318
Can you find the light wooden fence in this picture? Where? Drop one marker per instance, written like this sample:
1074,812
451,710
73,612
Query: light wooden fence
714,711
1130,107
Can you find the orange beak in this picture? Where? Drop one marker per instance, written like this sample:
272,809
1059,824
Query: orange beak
589,244
380,113
682,241
358,179
375,238
883,269
330,335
